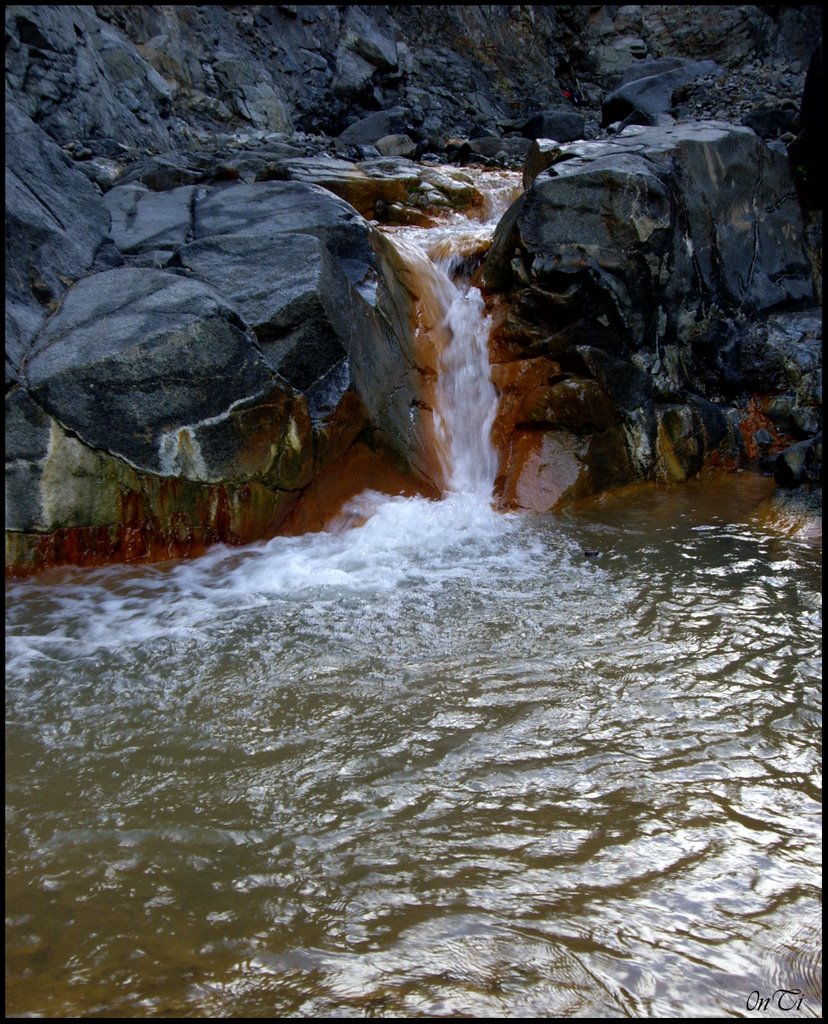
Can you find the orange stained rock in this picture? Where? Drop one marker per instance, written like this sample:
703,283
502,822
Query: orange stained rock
360,468
543,469
167,519
756,419
513,381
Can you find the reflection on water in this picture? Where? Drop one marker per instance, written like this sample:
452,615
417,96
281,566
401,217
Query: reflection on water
442,765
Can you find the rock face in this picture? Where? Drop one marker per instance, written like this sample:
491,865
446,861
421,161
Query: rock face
245,343
208,338
56,224
626,264
78,76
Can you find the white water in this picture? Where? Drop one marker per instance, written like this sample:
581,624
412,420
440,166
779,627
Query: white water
402,540
438,765
465,397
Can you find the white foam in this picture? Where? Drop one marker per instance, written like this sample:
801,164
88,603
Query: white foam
402,542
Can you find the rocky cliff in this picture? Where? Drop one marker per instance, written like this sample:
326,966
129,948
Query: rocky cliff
208,339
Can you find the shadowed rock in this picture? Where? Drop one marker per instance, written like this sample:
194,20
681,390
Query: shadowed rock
55,224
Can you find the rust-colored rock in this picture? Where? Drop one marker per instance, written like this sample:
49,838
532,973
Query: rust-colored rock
544,469
360,468
576,404
164,519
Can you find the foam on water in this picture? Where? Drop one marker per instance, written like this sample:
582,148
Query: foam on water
400,539
437,764
403,542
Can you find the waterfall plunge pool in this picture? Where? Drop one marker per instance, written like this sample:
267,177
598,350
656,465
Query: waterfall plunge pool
442,765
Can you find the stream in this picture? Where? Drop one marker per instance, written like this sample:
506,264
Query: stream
445,764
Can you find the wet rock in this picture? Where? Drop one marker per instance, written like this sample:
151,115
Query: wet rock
388,189
575,404
799,464
628,276
168,109
545,470
781,357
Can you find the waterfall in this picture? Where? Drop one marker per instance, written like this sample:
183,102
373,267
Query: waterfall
464,398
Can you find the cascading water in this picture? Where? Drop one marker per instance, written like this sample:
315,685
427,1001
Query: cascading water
438,765
465,397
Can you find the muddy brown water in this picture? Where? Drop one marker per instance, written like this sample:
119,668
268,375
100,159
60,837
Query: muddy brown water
443,765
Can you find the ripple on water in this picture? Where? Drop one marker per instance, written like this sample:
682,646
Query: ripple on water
474,773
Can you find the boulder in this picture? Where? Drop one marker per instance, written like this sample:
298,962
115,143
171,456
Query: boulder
69,503
367,130
771,122
275,207
661,222
55,225
800,463
297,303
493,148
370,311
396,145
649,87
107,366
631,263
561,125
542,153
150,223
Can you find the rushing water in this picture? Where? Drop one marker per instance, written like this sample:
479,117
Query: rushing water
441,765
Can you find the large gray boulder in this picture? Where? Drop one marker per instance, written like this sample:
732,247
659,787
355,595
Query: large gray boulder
136,362
286,206
297,303
648,88
310,276
367,130
658,224
55,226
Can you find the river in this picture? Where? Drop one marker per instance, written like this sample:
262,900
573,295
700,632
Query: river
445,764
